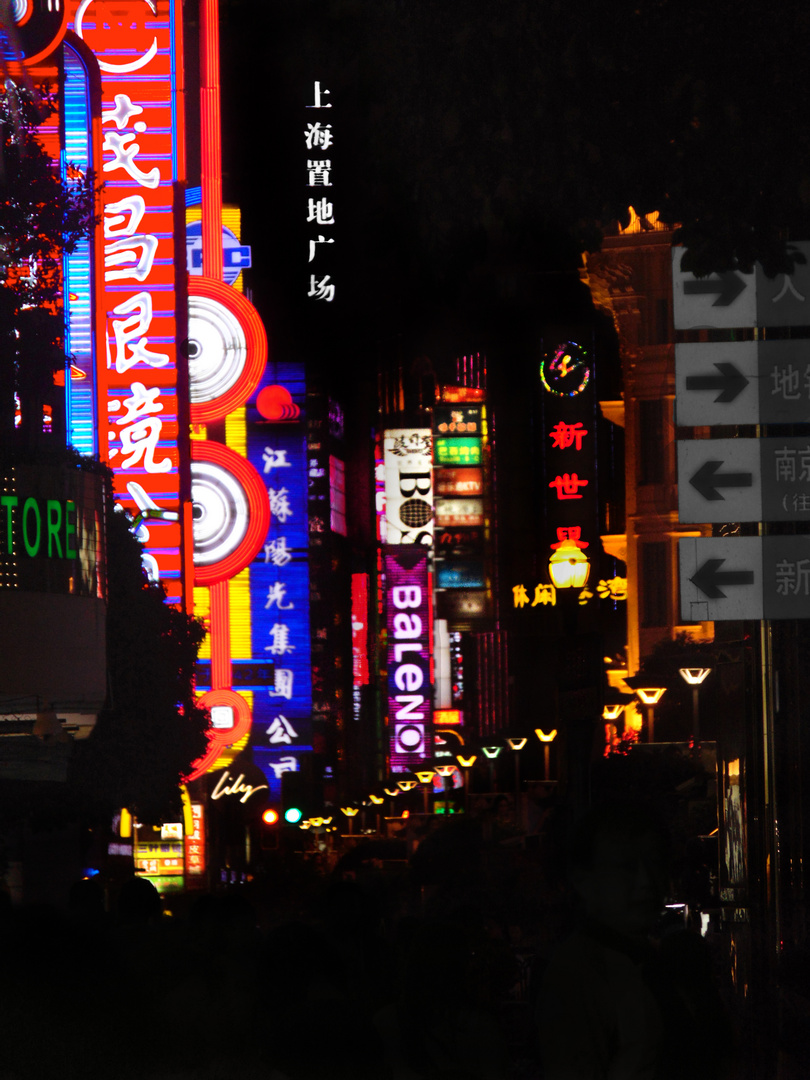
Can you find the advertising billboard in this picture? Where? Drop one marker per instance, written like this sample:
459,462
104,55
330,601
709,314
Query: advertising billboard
407,455
409,620
451,513
138,301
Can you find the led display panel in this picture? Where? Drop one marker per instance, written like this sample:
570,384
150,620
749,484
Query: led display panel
408,620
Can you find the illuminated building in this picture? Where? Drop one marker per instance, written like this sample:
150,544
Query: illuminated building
631,279
170,381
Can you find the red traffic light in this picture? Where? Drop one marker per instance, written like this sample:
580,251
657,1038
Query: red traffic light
270,816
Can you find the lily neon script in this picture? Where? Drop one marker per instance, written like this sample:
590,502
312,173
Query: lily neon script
31,525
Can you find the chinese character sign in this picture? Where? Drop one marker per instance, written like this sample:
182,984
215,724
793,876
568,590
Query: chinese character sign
408,620
141,124
279,582
318,137
568,431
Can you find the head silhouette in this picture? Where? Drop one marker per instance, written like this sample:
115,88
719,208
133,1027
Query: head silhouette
618,866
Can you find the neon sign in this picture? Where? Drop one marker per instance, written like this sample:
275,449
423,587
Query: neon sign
134,43
409,618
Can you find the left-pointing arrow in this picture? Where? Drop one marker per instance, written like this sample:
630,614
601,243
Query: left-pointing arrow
707,480
710,577
727,287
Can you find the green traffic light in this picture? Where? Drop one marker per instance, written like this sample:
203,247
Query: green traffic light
293,815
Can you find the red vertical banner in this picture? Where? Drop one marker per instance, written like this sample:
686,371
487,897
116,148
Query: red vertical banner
195,843
137,45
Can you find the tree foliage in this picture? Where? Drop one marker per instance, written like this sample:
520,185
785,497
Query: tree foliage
41,216
151,730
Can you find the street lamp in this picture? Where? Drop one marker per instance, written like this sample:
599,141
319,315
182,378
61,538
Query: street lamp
546,740
649,695
516,743
569,566
351,813
694,676
445,772
466,763
491,751
425,778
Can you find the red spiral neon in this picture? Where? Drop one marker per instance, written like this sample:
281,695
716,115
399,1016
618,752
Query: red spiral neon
259,511
204,412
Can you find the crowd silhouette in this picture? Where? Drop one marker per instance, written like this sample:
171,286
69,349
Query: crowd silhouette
478,958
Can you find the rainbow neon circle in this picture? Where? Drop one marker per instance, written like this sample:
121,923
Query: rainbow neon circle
567,372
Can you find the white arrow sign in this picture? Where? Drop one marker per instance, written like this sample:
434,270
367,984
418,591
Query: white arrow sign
719,300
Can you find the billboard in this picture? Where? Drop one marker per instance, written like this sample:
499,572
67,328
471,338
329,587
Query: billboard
138,300
409,620
407,456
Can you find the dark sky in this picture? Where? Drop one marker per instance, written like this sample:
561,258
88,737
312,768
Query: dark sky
476,147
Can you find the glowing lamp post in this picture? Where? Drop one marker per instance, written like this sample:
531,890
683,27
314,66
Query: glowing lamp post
491,752
392,791
693,677
376,802
569,567
516,744
649,695
425,778
466,763
445,772
546,740
351,813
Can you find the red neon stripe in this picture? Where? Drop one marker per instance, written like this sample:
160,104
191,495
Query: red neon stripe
220,634
211,143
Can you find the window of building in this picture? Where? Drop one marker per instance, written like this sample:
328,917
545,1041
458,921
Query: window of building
653,583
651,444
337,495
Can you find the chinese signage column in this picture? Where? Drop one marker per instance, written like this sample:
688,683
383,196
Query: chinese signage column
279,579
134,43
320,211
568,403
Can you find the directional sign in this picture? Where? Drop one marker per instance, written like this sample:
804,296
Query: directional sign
784,300
719,300
744,479
744,577
732,299
742,382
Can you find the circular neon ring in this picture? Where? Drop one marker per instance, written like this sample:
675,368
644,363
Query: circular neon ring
258,505
219,740
222,311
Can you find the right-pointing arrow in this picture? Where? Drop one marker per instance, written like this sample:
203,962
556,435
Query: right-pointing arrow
727,287
730,382
709,577
707,480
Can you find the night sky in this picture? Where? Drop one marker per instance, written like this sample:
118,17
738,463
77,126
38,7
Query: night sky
477,147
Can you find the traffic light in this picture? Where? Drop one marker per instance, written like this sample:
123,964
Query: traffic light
269,828
296,799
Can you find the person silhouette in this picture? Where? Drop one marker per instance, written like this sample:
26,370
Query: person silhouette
615,1004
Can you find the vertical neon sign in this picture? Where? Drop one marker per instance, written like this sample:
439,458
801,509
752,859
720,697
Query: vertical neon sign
409,623
137,46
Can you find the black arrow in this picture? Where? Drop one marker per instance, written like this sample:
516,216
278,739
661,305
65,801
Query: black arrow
730,382
707,480
709,578
727,286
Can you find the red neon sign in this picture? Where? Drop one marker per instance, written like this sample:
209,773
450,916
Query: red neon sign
135,45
